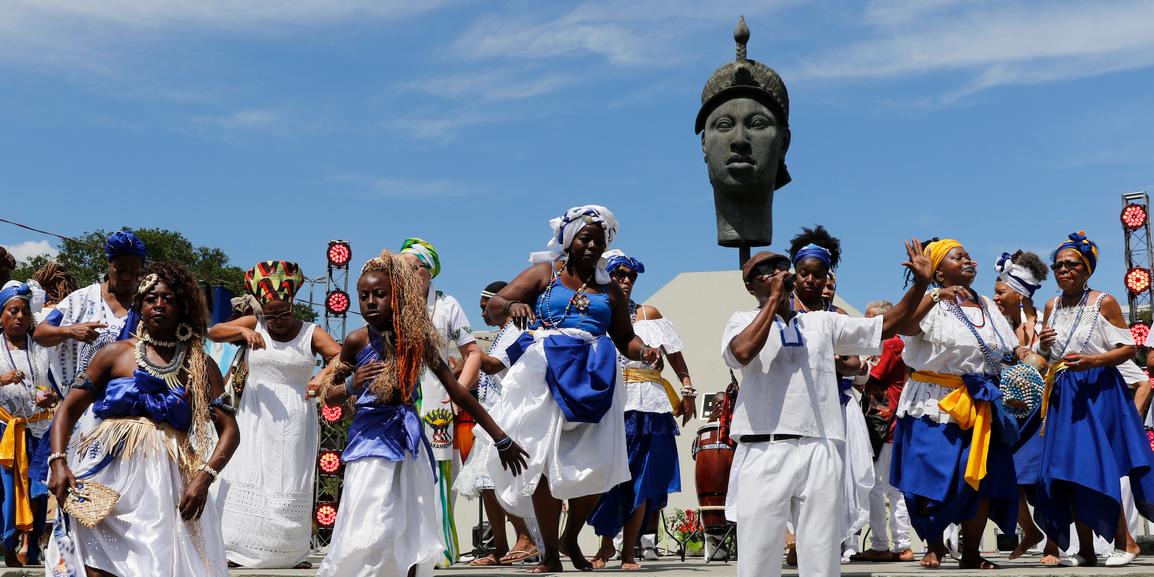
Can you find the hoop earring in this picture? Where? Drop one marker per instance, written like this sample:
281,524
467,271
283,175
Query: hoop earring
1086,286
183,332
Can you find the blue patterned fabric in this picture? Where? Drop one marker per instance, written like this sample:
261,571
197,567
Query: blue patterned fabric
656,471
1093,437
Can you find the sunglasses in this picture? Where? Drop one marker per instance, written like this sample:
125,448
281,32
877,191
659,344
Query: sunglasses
622,275
1065,264
769,268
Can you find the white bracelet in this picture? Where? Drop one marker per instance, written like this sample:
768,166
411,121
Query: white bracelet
211,472
55,456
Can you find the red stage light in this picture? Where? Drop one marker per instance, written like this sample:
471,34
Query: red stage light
326,515
332,413
1138,280
1133,216
1140,331
339,253
329,462
337,302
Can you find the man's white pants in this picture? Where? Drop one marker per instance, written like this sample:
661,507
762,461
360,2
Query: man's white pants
899,519
780,481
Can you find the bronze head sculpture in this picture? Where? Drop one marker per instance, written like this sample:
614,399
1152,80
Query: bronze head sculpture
744,127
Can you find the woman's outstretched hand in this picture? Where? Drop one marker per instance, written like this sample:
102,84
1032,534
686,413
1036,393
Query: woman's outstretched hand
918,263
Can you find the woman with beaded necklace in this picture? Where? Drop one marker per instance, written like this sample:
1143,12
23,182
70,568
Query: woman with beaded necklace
651,408
951,458
26,409
156,393
564,401
1092,436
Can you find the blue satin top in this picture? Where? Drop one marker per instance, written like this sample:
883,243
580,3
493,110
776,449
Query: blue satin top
143,395
594,319
385,431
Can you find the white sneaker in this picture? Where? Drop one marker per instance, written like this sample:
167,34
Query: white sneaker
1120,558
649,554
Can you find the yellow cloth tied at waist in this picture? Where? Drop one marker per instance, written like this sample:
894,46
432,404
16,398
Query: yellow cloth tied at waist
14,456
654,376
969,414
1051,375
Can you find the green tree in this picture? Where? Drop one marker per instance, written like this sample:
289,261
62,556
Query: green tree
84,257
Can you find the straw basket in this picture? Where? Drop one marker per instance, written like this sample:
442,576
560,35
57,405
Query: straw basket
90,502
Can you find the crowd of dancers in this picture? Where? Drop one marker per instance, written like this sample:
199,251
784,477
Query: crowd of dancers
176,448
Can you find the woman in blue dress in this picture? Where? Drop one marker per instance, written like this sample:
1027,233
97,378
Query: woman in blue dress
564,397
1091,434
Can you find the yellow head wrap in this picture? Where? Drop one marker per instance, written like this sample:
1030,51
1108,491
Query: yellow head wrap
937,250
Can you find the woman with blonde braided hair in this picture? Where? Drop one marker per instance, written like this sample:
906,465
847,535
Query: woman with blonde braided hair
389,472
156,393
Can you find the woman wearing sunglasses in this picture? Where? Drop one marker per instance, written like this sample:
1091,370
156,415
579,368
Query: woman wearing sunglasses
1092,436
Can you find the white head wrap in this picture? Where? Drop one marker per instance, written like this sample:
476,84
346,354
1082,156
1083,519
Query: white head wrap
1016,276
566,228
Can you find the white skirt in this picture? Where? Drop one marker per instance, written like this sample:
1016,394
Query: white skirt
386,522
577,459
857,453
144,534
265,495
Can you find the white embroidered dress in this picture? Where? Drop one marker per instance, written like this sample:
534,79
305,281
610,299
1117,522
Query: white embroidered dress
266,492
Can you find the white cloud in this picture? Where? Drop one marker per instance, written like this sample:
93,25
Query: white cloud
996,44
25,250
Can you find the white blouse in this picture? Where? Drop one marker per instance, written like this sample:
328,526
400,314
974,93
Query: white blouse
947,346
650,397
1083,329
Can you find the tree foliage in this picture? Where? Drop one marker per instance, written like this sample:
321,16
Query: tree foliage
84,258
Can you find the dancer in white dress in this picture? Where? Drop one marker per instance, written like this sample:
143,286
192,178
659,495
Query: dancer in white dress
266,497
564,399
386,522
157,394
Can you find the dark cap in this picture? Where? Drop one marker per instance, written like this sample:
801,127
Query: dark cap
745,78
763,256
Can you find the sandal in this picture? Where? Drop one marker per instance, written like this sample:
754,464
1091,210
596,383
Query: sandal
516,556
486,561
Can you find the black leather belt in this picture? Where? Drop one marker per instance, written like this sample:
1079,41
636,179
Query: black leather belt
768,438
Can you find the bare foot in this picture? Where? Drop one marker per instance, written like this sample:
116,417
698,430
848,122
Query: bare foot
578,559
1051,560
603,556
630,566
1027,542
547,567
931,560
976,562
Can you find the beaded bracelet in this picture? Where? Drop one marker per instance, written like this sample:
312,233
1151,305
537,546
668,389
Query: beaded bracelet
56,456
211,472
503,444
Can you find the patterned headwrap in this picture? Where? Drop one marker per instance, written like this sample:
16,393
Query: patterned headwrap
813,251
1087,250
273,280
425,252
938,249
1016,276
566,227
616,258
124,242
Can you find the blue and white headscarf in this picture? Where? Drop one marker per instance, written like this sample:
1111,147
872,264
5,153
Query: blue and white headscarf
29,292
813,251
124,242
566,227
1016,276
616,258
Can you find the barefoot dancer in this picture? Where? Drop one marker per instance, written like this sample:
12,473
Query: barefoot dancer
950,459
564,400
788,418
387,523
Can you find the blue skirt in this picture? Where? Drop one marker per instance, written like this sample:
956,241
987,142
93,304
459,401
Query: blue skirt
37,454
929,465
1028,451
1093,437
656,472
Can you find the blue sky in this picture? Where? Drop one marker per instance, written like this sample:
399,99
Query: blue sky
268,127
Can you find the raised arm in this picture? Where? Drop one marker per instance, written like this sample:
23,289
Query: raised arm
769,289
909,312
241,331
518,296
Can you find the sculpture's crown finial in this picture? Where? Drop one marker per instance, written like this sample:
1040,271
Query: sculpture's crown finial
741,36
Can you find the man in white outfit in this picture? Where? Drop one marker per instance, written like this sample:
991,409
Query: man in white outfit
787,417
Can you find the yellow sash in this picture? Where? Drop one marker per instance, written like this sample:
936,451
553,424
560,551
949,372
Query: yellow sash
1051,375
654,376
14,456
969,414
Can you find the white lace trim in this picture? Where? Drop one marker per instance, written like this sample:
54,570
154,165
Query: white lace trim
659,333
920,399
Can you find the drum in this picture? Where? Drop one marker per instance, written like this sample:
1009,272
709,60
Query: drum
714,459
